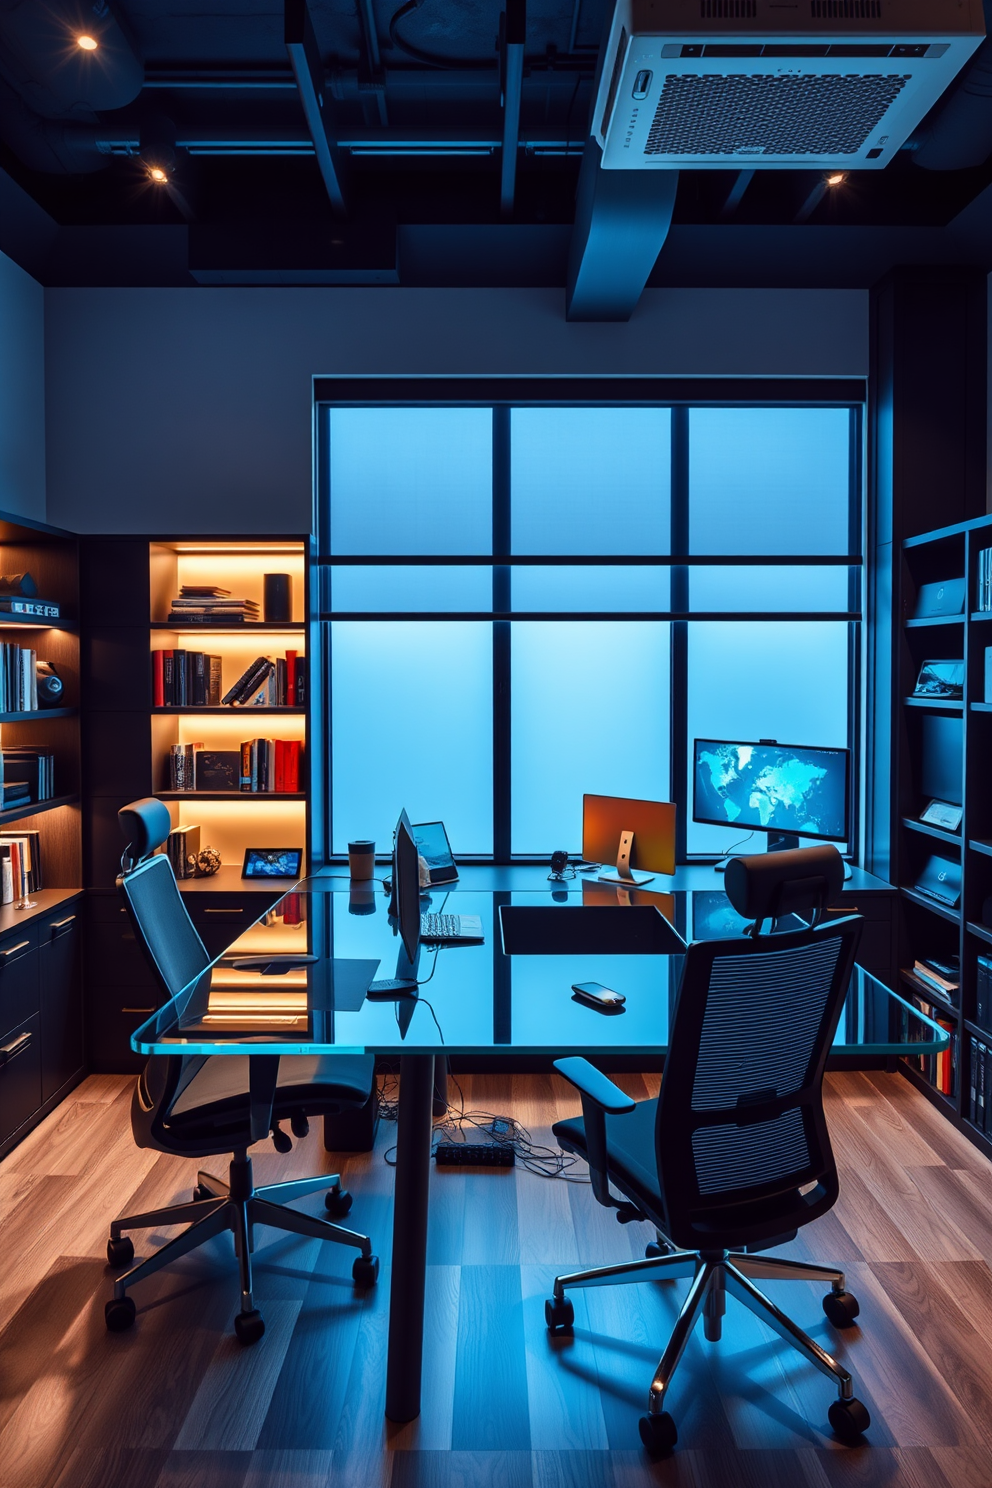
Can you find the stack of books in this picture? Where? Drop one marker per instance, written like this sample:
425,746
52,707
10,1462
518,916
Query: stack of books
984,580
18,682
207,603
271,765
270,684
20,865
939,1070
26,775
940,976
182,847
182,767
185,679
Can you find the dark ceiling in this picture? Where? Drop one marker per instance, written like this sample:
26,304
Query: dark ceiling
412,99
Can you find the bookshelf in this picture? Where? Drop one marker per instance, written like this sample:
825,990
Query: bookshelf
129,737
947,743
40,971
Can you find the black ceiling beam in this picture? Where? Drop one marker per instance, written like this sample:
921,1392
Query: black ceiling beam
513,31
304,57
622,219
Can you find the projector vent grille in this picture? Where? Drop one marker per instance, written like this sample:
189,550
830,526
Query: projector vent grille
846,10
728,10
752,116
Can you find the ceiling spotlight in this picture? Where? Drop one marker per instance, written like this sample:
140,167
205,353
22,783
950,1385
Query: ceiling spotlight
87,43
837,179
157,147
156,173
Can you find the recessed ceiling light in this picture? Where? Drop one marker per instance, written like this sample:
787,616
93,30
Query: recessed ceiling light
87,43
837,179
156,173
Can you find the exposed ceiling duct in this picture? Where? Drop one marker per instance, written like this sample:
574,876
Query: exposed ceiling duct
55,146
959,132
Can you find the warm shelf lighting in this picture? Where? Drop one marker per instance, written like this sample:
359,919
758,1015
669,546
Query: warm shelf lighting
87,43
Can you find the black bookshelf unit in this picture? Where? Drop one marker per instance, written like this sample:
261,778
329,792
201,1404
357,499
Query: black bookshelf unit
943,748
129,585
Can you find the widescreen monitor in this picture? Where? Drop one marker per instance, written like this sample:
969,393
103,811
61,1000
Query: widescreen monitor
787,790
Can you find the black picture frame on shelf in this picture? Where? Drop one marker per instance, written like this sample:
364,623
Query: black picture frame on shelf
272,862
940,681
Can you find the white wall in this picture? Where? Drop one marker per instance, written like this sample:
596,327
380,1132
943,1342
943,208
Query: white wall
22,392
181,410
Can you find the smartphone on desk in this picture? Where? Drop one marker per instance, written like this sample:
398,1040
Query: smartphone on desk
594,994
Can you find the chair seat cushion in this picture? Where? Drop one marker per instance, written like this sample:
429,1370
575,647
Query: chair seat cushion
630,1141
313,1083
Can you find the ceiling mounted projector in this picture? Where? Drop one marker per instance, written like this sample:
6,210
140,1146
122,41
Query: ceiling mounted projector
718,84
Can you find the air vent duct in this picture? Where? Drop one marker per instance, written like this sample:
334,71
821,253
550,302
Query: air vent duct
837,84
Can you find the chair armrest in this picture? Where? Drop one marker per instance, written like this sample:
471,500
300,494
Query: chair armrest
591,1083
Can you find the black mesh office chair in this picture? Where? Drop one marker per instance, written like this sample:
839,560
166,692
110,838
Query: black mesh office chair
199,1106
734,1156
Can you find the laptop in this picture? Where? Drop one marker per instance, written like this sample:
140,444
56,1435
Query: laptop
434,848
940,880
451,929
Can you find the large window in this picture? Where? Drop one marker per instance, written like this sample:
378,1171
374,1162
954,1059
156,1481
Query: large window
521,602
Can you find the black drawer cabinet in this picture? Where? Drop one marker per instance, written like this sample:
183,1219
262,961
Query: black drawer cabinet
20,1077
19,975
60,990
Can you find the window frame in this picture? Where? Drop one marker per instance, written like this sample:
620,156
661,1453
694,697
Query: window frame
502,395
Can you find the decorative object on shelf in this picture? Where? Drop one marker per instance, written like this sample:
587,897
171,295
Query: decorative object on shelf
942,814
208,604
207,862
217,770
940,880
934,601
272,862
183,849
277,598
940,681
50,687
20,583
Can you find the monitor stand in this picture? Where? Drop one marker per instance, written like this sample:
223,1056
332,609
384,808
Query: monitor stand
403,983
626,876
782,841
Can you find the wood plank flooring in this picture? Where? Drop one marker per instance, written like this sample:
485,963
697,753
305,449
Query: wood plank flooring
177,1403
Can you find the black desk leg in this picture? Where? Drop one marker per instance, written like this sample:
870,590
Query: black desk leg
406,1293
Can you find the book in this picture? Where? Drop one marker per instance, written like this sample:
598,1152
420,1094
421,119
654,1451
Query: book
182,847
301,682
182,767
248,683
213,681
217,769
209,591
41,609
158,679
291,679
941,978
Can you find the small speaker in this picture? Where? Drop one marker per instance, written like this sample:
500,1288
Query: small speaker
277,602
51,691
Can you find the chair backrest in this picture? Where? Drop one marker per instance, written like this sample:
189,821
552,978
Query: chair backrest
173,949
741,1139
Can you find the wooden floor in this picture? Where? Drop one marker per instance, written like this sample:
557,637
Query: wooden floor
178,1402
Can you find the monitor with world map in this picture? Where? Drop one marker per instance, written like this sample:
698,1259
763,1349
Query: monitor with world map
787,790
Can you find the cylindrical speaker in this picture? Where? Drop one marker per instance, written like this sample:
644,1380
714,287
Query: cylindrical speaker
277,598
51,693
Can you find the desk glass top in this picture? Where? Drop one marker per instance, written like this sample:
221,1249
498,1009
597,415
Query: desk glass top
472,999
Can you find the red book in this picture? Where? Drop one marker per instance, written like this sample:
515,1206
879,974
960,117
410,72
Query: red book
291,910
291,679
281,765
293,766
158,680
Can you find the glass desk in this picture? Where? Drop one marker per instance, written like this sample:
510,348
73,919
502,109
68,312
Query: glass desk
472,1000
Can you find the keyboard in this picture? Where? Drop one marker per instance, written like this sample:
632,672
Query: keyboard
451,927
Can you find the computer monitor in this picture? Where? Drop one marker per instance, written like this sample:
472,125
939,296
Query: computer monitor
787,790
636,835
404,910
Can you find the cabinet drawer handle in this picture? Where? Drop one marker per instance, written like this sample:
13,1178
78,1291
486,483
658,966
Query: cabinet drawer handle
21,946
137,1010
57,926
15,1047
223,911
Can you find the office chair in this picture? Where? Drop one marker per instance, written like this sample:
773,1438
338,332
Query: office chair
733,1157
203,1106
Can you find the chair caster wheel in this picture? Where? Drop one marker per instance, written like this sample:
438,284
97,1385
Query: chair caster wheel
119,1314
658,1433
249,1326
338,1201
120,1252
849,1419
365,1271
841,1308
559,1314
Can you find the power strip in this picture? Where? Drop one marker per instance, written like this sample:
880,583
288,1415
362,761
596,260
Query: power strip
473,1155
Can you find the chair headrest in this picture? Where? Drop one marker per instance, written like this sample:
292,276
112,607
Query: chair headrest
145,824
767,885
